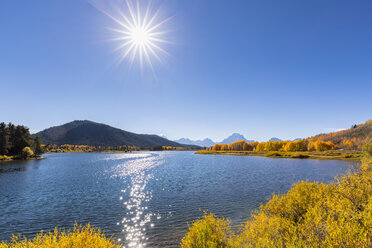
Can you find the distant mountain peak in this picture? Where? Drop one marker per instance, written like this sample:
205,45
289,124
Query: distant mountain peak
275,139
203,143
233,138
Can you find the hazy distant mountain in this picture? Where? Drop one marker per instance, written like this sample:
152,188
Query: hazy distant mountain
203,143
233,138
275,139
297,139
92,133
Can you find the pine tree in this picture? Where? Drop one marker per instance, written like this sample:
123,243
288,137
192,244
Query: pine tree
4,139
38,150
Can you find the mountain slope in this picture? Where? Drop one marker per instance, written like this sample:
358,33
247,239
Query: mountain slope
360,133
233,138
92,133
203,143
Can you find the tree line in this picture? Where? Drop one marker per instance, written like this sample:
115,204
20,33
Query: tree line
17,141
86,148
285,146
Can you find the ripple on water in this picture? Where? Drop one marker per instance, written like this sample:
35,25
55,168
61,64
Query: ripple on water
137,218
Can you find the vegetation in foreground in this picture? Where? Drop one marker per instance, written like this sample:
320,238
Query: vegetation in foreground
79,237
311,214
16,142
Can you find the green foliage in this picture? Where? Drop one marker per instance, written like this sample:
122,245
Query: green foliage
311,214
287,155
13,140
37,145
4,139
79,237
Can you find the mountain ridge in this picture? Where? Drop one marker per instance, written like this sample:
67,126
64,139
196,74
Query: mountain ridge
85,132
207,142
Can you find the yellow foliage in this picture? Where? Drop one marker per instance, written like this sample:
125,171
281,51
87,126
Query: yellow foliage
217,147
79,237
321,146
295,146
27,152
224,147
208,232
311,214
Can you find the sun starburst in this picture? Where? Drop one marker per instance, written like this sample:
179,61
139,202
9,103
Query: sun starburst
140,33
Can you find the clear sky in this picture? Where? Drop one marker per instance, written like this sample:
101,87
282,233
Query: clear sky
261,68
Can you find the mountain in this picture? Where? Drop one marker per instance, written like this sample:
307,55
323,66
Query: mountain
233,138
360,133
275,139
203,143
92,133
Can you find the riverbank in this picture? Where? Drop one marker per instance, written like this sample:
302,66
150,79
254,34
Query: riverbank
4,158
310,214
335,154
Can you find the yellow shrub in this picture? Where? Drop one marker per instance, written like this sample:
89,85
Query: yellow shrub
79,237
311,214
208,232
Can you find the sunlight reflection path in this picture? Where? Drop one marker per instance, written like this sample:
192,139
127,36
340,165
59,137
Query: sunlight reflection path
135,197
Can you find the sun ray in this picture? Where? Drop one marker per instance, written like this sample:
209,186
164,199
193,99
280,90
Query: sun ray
159,24
154,53
157,47
122,46
139,32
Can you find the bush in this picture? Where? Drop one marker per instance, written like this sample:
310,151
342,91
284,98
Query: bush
27,152
208,232
311,214
79,237
5,157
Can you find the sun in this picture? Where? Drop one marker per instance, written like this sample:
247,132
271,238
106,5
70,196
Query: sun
139,33
140,37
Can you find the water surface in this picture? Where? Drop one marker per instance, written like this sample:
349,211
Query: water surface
144,199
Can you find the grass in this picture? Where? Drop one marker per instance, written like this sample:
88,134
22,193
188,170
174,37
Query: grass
334,154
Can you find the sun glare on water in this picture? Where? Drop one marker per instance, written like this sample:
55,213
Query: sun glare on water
139,32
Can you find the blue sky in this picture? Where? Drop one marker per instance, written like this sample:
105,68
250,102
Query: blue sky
261,68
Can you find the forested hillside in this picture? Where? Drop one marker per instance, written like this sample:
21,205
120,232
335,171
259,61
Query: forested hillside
348,139
354,137
97,134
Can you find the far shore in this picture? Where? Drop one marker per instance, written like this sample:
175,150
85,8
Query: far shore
333,155
17,158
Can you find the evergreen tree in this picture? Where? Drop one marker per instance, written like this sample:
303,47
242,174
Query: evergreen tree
20,140
12,141
37,145
4,139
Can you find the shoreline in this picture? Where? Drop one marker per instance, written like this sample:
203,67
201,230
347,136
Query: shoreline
14,158
334,155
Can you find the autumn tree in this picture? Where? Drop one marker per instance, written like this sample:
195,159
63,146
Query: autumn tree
224,147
